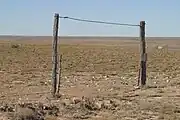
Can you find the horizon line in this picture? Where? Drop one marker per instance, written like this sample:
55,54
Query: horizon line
87,36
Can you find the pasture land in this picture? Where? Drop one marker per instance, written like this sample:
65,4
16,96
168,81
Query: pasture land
99,79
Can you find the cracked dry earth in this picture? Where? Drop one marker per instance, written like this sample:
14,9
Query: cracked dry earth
98,81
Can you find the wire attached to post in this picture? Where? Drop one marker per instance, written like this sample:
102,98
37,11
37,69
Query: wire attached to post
95,21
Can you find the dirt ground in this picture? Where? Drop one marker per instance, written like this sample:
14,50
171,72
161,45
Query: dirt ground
99,80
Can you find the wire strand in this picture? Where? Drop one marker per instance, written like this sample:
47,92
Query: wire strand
94,21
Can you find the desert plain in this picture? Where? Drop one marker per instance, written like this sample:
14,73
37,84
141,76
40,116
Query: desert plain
98,79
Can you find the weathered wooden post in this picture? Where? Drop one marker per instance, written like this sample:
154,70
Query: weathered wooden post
143,55
59,76
55,54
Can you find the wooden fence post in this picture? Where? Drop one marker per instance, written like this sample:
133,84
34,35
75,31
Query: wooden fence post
59,72
143,55
55,54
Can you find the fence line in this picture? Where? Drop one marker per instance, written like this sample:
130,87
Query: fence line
95,21
143,55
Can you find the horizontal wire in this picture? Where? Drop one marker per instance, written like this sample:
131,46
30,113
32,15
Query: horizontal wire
101,22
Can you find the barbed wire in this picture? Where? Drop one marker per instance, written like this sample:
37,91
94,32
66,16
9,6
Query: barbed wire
95,21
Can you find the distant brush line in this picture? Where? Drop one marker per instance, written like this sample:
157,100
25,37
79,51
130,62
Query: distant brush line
94,21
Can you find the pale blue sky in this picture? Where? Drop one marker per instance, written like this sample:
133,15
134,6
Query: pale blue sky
35,17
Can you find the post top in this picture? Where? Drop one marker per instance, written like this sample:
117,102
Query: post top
56,14
142,23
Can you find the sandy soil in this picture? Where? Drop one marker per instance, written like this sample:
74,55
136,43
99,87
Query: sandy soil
99,79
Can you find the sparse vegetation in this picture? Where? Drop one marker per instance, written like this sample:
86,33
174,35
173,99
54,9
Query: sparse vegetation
98,81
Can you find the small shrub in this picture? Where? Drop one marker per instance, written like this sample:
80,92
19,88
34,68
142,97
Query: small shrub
15,46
